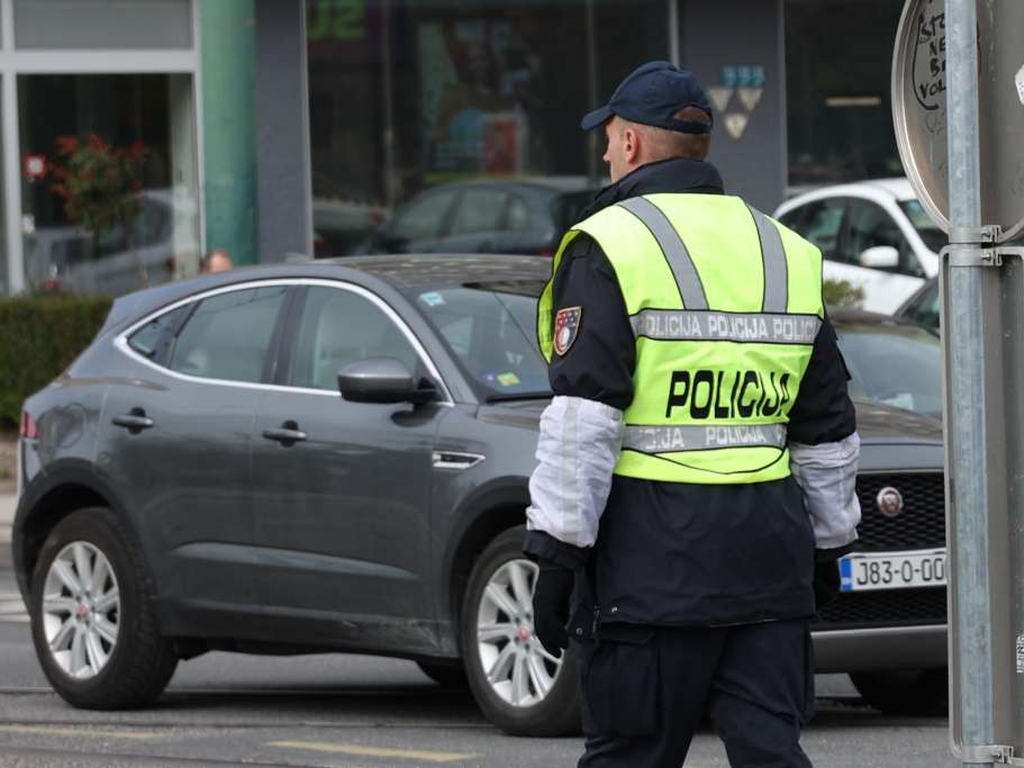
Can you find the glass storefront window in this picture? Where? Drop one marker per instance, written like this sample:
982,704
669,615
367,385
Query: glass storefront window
127,216
407,96
839,113
5,276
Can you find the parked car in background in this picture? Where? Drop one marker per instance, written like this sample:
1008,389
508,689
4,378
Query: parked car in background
873,234
334,455
340,227
341,222
887,628
526,216
161,244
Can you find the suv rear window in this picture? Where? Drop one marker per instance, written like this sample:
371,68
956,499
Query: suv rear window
153,339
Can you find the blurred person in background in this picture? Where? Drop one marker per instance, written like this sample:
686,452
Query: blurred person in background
216,260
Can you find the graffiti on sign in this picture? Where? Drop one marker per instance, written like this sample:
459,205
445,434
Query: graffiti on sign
929,70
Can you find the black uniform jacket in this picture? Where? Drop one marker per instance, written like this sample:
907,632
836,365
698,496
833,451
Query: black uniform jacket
679,553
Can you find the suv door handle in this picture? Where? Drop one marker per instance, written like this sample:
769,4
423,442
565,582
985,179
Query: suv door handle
287,434
134,421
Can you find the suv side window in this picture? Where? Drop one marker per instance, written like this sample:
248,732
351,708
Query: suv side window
228,335
821,222
871,226
153,340
339,327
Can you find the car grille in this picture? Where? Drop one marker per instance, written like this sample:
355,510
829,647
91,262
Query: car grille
921,525
884,608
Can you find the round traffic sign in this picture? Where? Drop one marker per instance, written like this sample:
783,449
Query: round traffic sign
919,109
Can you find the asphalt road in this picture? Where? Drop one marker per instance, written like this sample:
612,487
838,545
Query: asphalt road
345,710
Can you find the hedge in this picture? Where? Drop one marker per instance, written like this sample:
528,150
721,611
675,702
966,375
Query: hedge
40,335
840,293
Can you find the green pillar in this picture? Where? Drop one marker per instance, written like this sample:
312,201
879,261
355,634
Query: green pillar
228,44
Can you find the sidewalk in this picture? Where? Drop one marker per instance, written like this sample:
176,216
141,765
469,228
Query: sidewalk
8,503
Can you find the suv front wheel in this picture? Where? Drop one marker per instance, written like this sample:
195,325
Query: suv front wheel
521,688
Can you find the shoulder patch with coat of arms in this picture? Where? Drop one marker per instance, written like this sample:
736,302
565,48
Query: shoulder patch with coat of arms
567,326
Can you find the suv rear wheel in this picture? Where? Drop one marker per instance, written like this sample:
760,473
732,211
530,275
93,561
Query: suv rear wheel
94,621
905,692
520,687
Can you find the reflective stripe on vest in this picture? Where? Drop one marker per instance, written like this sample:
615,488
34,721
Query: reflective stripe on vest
656,440
687,279
725,306
765,328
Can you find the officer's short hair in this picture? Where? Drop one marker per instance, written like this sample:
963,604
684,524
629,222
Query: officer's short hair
665,144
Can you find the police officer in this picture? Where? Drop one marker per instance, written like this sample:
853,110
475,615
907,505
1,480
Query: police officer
696,465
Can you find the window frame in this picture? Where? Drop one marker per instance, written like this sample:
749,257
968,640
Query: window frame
282,337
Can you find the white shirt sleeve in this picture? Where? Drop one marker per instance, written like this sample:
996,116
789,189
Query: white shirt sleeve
579,445
827,474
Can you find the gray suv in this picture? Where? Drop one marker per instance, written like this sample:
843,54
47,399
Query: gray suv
335,456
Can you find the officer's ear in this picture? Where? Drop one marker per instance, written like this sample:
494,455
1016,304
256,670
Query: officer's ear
631,144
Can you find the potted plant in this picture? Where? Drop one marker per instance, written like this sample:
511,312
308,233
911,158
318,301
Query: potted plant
99,184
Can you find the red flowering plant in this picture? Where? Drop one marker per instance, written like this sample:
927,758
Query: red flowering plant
99,184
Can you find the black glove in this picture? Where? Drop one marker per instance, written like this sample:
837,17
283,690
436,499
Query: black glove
551,594
826,583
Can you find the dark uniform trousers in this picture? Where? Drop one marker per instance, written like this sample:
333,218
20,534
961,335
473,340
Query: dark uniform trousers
646,690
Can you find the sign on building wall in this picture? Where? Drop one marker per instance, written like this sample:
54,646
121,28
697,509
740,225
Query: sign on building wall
745,82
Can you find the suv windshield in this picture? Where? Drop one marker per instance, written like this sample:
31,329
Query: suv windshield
489,329
895,365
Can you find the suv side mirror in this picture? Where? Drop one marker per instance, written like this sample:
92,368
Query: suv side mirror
382,380
880,257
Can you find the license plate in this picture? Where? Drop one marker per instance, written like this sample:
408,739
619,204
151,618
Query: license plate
860,572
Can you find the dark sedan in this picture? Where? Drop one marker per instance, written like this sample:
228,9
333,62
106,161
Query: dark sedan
335,455
526,216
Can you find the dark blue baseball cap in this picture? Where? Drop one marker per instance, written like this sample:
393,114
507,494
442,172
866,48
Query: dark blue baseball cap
650,95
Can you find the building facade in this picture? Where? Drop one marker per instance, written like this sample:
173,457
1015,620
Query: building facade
278,127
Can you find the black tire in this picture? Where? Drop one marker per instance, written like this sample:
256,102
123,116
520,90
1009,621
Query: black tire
141,661
557,713
448,674
923,692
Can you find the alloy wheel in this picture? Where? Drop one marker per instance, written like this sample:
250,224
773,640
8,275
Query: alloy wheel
81,610
517,667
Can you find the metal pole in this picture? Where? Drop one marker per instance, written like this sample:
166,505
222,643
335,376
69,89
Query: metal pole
966,370
387,82
594,137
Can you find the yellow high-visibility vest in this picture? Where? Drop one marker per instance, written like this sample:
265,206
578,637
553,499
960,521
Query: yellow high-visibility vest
725,304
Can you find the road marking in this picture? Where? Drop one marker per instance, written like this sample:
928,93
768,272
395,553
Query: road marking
352,749
12,608
51,730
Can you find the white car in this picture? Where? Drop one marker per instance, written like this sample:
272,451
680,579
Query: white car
874,235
